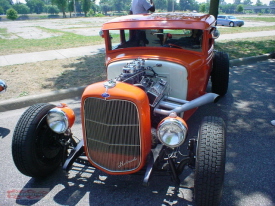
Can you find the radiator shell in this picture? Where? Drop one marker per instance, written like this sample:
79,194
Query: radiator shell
110,136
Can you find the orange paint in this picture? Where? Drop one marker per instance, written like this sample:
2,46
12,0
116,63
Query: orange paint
123,91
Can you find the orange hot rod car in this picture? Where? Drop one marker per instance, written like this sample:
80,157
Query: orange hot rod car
158,68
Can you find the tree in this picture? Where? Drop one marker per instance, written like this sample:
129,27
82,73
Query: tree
228,8
71,7
170,5
52,9
214,8
118,5
240,8
36,6
62,5
188,5
259,3
161,4
222,2
5,4
86,6
105,6
1,11
202,8
21,8
12,14
247,2
237,2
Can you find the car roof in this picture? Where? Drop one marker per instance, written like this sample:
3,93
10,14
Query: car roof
161,20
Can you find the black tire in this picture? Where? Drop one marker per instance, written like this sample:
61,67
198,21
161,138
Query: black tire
231,24
210,162
220,73
35,148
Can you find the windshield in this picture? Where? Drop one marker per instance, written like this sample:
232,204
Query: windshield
173,38
231,17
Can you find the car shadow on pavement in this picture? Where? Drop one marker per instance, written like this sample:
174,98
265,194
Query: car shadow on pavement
4,132
73,187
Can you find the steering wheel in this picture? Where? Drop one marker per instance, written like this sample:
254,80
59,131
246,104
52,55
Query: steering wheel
174,45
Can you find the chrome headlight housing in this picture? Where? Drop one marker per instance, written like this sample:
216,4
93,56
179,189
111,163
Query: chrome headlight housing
172,132
57,120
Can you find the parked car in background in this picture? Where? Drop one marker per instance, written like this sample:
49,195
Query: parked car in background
226,20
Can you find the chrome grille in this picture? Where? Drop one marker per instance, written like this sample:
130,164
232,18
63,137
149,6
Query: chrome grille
113,134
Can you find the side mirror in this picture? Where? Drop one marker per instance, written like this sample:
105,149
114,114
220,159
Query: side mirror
215,33
3,86
101,33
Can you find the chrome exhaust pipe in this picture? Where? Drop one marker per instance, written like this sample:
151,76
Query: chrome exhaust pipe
202,100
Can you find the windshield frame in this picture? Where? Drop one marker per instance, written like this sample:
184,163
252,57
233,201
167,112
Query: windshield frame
185,39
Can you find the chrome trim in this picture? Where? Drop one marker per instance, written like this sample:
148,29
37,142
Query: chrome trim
112,128
202,100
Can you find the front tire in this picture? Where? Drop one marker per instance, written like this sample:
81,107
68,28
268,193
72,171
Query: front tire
220,73
210,162
36,150
231,24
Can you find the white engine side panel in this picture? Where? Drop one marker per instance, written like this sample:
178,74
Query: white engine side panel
175,74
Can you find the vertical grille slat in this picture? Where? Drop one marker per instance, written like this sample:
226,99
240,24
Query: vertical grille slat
113,134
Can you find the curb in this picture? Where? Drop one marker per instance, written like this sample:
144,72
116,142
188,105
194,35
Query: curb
250,60
77,92
22,102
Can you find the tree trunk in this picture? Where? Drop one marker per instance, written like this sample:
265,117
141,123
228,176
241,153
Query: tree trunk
214,8
64,14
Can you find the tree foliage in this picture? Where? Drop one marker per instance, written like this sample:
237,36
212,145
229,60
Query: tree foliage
259,3
189,5
86,6
247,2
240,8
161,4
1,11
12,14
62,5
52,9
21,8
202,8
36,6
5,4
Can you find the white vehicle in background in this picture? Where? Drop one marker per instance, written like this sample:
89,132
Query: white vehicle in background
227,20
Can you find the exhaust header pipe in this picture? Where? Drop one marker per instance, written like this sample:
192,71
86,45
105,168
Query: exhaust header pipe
202,100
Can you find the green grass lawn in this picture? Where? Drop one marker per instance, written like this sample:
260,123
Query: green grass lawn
247,47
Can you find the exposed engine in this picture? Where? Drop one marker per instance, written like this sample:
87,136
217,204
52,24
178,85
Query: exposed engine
146,78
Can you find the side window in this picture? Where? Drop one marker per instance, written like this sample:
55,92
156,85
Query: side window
184,38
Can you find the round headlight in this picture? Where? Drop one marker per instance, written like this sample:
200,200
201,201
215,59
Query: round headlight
172,132
57,120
